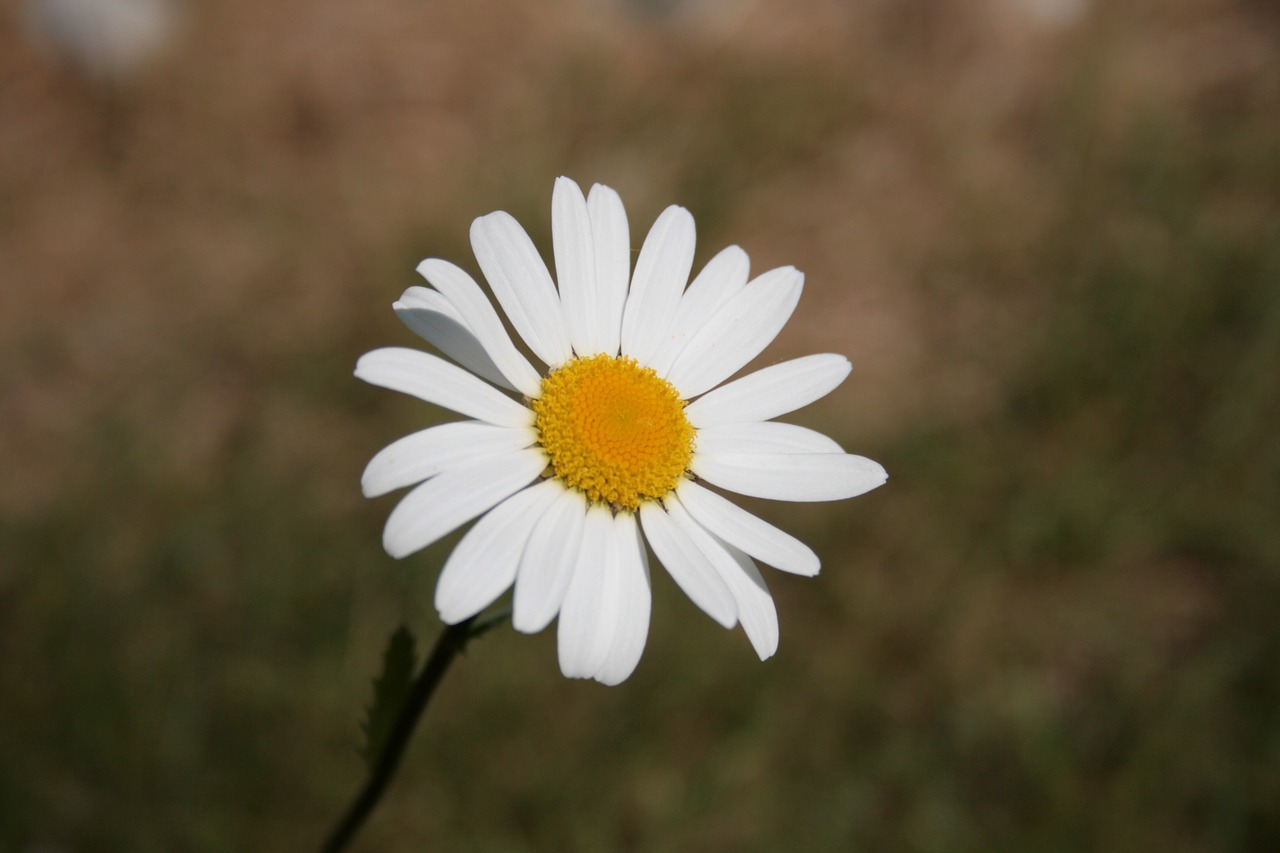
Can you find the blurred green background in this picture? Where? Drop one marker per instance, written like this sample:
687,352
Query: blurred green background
1046,232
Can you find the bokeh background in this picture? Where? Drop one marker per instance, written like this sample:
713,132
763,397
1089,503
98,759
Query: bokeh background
1046,233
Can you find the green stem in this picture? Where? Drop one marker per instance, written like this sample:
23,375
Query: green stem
452,641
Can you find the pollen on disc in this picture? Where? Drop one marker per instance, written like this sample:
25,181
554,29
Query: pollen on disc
614,430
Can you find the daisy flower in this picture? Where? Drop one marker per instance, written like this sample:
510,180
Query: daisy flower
572,469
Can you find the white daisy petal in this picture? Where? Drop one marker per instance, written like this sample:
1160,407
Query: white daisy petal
770,391
522,284
791,476
662,271
583,636
575,265
687,564
426,453
429,315
483,566
548,560
444,503
612,243
756,611
435,380
722,277
764,437
466,297
605,618
737,332
751,597
731,565
635,600
745,531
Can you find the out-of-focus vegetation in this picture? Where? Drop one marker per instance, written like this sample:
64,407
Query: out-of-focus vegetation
1047,234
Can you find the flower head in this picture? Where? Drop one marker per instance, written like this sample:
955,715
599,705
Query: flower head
573,469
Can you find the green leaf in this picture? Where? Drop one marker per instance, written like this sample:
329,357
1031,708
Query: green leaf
390,689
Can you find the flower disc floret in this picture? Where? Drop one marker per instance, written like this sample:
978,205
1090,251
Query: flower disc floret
614,430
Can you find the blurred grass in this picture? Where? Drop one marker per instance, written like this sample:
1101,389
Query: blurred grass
1054,629
1117,518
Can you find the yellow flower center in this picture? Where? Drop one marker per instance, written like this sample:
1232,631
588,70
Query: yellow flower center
614,430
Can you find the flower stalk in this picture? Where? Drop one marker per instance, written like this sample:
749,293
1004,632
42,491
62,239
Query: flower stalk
450,643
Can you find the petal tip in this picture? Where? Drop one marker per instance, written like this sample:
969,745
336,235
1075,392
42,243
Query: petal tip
483,224
395,550
611,680
449,616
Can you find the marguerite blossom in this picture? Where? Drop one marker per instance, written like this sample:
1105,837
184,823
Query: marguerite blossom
573,468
